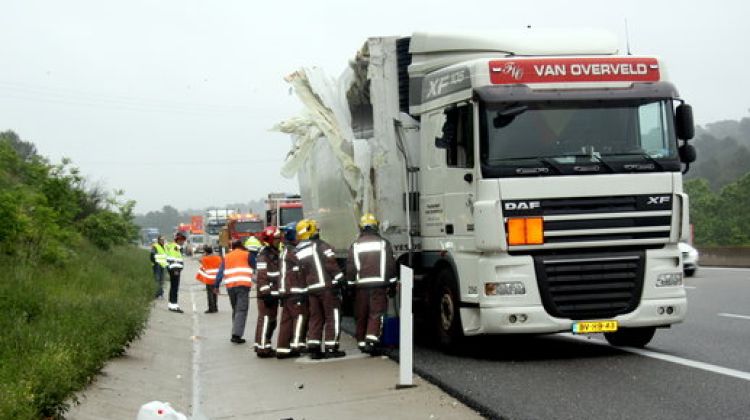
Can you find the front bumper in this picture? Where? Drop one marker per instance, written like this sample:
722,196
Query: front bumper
497,320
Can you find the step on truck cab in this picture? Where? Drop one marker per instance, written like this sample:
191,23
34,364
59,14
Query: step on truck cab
532,179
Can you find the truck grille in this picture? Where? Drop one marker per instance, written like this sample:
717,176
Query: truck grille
590,286
597,221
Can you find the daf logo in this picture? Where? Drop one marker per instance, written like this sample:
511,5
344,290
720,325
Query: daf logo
661,199
522,205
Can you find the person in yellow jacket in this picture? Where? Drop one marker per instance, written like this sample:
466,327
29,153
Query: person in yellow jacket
158,259
174,267
206,274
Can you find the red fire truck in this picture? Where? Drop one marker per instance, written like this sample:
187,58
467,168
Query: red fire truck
282,209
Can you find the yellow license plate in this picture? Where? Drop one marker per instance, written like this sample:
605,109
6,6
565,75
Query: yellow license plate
590,327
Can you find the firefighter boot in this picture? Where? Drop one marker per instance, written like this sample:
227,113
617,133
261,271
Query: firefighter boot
315,353
334,353
265,353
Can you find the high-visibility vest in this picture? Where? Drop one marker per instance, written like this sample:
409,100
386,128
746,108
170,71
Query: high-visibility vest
174,256
160,256
208,269
237,271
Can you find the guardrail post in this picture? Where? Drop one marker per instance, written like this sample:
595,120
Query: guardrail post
406,336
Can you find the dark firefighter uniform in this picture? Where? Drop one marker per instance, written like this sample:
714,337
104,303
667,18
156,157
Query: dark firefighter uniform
371,270
294,313
267,277
321,272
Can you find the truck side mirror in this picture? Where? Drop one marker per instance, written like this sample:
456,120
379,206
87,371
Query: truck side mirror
687,153
684,123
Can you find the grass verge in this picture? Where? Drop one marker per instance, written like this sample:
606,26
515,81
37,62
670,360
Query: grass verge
59,325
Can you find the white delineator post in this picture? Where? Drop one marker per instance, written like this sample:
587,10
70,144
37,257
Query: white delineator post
406,336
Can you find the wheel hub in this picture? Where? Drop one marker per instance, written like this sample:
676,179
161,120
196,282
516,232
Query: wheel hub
446,311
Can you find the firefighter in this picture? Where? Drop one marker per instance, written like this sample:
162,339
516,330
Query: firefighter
267,274
323,277
158,258
293,295
371,270
207,275
237,274
174,267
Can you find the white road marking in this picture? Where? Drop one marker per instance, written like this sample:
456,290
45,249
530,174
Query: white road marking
672,359
196,406
690,287
726,315
726,268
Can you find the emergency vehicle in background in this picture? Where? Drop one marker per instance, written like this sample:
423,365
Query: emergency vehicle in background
214,221
282,209
532,179
196,238
241,226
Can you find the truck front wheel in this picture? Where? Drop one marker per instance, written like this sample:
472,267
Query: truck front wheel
448,316
631,337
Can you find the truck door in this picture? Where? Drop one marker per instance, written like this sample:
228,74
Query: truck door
459,182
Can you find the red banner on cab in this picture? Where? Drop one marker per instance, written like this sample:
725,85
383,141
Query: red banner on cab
573,70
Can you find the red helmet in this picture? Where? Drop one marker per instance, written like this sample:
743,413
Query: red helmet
269,234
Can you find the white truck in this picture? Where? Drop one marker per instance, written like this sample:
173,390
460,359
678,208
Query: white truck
532,179
214,221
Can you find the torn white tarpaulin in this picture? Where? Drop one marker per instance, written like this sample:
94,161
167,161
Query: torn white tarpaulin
326,115
322,155
346,153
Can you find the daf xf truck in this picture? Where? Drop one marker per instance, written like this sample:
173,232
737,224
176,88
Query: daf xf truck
532,179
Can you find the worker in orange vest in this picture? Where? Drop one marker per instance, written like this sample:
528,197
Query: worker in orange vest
207,275
237,274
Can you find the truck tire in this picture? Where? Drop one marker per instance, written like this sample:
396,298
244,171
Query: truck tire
689,272
447,313
631,337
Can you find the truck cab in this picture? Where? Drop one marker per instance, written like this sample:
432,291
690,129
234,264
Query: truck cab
533,179
552,175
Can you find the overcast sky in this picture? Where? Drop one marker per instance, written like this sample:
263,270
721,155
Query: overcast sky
172,100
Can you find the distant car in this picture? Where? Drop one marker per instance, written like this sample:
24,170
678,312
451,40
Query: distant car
689,259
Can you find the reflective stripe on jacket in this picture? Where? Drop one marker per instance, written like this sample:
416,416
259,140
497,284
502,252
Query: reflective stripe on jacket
318,266
237,270
208,269
160,255
268,271
174,256
291,283
370,262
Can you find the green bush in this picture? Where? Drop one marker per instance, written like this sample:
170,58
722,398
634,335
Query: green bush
66,304
60,324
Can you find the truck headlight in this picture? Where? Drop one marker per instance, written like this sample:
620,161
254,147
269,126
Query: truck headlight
669,279
504,288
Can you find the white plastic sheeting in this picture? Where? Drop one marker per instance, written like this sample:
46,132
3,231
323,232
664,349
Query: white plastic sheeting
322,154
341,176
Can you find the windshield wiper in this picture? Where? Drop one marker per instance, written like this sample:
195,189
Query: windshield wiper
597,157
655,163
531,170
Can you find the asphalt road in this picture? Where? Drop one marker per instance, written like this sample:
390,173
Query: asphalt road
699,369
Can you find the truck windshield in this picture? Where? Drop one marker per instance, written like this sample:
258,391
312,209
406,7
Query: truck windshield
564,138
213,228
289,215
249,227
